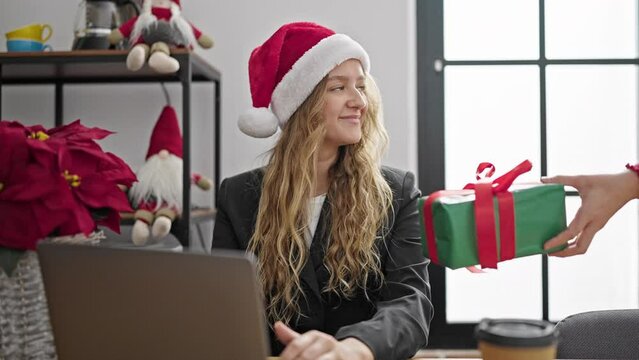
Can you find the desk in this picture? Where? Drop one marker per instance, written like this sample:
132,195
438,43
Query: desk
459,354
419,358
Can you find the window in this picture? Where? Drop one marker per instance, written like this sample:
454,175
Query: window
552,81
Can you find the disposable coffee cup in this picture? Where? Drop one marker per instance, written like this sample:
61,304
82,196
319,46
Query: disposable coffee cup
520,339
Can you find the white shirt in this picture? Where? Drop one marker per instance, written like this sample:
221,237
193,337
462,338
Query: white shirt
314,212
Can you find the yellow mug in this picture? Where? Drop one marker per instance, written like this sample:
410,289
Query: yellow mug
31,32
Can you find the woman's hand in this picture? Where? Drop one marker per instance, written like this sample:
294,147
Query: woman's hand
601,197
317,345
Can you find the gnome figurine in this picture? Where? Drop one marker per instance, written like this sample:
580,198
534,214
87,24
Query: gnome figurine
151,35
157,195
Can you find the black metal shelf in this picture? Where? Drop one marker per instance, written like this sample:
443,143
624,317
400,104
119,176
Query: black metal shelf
93,66
108,67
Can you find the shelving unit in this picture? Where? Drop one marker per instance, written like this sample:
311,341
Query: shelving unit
58,68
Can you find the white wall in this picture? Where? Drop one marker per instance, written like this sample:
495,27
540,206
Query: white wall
384,28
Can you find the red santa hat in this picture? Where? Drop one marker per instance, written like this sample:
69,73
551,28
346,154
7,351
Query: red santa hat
148,4
166,134
286,68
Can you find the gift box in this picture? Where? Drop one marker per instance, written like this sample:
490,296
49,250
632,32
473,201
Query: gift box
491,221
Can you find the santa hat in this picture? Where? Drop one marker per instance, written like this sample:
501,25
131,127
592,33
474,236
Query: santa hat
166,134
148,4
286,68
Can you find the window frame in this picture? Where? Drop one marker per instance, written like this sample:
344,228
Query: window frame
431,66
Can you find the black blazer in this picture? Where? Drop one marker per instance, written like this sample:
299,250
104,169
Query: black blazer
394,320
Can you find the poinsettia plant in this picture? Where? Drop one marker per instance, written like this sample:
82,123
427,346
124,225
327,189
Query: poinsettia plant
57,182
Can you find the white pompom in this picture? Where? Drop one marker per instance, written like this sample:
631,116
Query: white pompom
258,122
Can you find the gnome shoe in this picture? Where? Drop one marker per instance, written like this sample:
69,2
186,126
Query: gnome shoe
163,63
140,233
161,227
137,56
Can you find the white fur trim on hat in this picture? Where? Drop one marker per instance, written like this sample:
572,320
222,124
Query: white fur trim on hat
258,122
298,83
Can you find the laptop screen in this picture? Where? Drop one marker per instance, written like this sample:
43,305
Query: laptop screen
108,303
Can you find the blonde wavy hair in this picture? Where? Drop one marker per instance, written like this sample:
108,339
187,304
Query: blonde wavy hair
359,199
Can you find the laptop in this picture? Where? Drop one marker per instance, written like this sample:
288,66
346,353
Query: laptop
109,303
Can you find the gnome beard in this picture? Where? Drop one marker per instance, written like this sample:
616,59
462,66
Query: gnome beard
157,196
177,31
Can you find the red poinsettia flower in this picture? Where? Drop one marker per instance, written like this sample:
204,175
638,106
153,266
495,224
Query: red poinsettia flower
55,181
35,137
31,203
78,137
117,170
76,132
25,129
90,176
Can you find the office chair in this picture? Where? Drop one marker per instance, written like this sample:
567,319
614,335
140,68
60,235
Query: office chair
608,334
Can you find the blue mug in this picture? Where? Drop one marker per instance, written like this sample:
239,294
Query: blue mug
26,45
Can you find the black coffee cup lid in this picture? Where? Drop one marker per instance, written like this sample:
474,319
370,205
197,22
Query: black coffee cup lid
516,332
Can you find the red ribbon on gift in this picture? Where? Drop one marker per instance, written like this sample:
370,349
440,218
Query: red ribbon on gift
484,214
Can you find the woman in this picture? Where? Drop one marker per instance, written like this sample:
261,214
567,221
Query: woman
335,234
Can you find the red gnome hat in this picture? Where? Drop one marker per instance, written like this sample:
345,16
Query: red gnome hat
148,4
166,134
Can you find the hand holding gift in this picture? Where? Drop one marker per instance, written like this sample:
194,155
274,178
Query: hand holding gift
490,221
601,197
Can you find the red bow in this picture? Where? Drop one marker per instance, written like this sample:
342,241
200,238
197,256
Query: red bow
484,215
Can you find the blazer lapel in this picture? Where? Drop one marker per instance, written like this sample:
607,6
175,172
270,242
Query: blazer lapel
316,257
308,276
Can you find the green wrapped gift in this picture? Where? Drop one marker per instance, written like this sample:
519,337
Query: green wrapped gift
539,214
